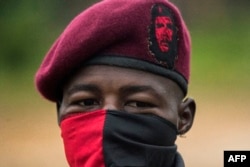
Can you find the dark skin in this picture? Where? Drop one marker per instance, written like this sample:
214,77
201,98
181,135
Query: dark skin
109,87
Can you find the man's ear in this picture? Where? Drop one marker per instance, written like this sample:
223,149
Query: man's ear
186,115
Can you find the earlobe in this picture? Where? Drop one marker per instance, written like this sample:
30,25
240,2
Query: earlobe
186,115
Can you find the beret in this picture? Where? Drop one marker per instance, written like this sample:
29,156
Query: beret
148,35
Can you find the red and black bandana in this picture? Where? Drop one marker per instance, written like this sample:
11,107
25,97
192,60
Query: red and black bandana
106,138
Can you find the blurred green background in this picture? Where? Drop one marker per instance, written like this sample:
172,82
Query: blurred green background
220,30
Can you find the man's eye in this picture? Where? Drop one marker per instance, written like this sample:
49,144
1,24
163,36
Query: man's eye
87,102
139,104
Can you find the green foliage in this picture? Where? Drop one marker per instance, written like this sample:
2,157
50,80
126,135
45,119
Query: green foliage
23,28
221,55
28,28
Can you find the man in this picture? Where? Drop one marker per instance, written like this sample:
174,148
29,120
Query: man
120,84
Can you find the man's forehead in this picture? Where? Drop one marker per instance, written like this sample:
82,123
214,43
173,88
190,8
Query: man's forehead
121,81
114,75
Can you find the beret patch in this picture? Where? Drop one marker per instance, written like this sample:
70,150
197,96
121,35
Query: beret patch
163,36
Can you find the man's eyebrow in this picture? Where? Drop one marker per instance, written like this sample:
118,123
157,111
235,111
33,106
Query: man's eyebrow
82,87
138,89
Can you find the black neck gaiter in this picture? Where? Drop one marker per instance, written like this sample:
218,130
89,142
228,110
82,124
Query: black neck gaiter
119,139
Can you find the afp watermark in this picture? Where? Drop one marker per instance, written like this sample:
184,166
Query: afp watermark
236,158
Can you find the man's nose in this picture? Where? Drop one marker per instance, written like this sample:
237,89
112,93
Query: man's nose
111,103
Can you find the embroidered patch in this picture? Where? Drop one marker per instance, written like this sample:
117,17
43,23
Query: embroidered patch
163,36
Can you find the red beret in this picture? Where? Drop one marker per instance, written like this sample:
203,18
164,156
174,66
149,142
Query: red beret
147,35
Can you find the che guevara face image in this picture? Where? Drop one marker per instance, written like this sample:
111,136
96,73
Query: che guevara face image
163,35
163,32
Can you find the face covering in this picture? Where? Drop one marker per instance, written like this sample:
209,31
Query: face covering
106,138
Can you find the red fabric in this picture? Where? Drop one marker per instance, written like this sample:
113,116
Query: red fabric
119,27
82,134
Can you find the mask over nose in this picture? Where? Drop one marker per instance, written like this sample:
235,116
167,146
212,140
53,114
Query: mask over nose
107,138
